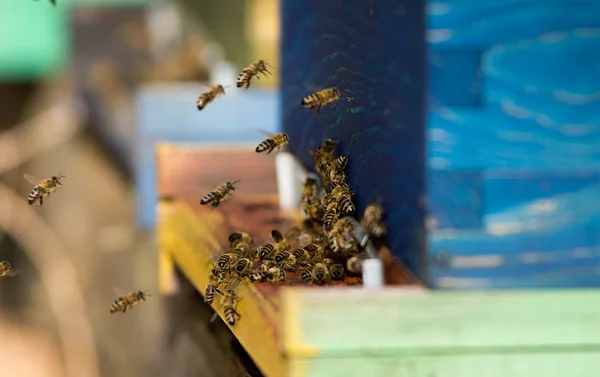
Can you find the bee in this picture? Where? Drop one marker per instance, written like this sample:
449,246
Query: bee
310,199
281,256
372,221
209,95
230,300
301,254
219,194
266,251
275,141
315,250
344,200
321,274
305,239
254,69
337,271
225,260
42,187
354,264
306,275
236,238
243,266
129,300
341,236
6,270
321,98
327,261
278,238
209,294
323,156
271,274
267,264
330,217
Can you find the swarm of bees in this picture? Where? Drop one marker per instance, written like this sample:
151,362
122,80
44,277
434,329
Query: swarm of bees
321,249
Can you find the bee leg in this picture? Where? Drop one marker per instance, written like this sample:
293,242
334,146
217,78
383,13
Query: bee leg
124,309
41,200
318,108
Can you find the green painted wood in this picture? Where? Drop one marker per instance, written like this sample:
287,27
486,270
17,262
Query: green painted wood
495,365
334,322
34,37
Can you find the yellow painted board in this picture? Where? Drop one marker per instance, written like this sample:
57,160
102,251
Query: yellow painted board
189,238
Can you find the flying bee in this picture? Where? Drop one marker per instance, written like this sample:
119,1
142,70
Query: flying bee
275,141
321,98
337,271
254,69
6,270
42,187
128,300
236,238
372,221
209,95
222,192
243,266
280,239
321,274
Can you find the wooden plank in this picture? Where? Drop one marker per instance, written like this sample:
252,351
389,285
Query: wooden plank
374,52
547,364
403,322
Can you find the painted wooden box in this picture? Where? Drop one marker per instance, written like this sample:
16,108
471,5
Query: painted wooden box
513,144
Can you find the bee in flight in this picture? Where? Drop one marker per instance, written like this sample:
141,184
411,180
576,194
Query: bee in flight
215,197
209,95
275,141
127,300
252,70
321,98
42,187
6,270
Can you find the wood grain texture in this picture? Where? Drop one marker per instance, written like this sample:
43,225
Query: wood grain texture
374,52
513,132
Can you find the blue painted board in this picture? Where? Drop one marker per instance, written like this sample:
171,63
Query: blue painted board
374,52
514,96
168,113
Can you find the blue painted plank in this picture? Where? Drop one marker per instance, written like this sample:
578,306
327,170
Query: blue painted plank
374,52
456,198
168,113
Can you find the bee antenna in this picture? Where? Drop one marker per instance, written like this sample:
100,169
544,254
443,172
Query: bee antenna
233,183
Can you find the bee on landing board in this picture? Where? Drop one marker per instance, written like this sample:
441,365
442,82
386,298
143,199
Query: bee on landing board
218,195
128,300
275,141
321,98
6,270
209,95
43,187
254,69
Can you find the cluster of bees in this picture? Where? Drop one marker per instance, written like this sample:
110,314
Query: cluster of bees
322,248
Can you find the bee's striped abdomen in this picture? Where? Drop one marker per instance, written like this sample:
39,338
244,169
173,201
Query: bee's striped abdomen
229,313
209,198
119,305
347,205
268,144
311,100
33,195
243,80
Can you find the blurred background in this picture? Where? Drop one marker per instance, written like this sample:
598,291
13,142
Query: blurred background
68,81
87,87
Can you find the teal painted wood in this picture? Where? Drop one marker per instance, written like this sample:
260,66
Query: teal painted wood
336,322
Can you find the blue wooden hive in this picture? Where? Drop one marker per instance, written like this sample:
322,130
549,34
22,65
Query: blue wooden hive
514,144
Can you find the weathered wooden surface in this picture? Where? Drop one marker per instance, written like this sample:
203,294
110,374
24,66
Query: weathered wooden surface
192,235
374,52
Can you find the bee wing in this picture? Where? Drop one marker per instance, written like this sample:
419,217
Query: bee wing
264,133
13,272
32,179
119,291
